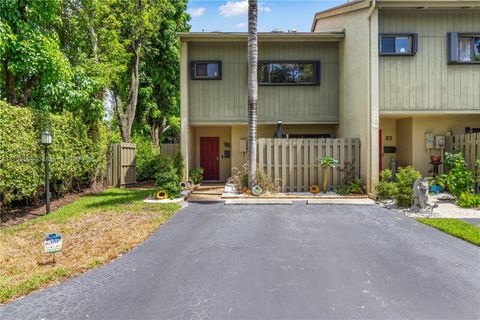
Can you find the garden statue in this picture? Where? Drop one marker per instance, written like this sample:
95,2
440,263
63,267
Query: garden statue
420,194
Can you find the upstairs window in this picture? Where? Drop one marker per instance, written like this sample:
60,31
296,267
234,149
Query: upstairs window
463,48
398,44
206,70
289,73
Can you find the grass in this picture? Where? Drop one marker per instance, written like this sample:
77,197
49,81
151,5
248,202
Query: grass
456,228
95,229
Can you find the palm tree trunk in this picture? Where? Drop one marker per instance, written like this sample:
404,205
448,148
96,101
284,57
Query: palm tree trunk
252,90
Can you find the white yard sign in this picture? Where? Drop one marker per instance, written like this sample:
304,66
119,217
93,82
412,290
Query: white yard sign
53,243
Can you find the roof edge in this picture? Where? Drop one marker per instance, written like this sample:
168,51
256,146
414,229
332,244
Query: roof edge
395,4
340,9
334,35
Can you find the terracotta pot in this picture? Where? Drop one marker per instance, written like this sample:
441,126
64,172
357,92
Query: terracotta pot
436,158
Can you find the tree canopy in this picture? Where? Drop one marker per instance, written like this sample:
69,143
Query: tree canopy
60,55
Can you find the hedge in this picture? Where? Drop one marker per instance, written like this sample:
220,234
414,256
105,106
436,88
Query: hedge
77,153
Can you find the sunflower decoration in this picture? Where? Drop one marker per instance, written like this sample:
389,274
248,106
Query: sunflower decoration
162,194
314,189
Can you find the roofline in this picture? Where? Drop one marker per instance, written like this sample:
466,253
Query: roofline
395,4
426,4
336,35
341,9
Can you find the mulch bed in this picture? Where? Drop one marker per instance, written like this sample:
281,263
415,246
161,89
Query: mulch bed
16,215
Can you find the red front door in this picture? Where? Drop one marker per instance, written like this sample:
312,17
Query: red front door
209,157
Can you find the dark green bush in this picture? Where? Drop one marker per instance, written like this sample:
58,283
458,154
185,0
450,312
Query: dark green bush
405,179
178,164
148,158
77,153
167,179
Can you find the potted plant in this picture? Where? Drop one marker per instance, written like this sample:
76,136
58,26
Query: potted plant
437,184
326,163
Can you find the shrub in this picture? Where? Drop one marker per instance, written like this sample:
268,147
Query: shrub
354,187
261,178
387,190
469,200
166,177
405,179
78,153
178,164
386,175
459,178
196,175
478,171
453,159
148,158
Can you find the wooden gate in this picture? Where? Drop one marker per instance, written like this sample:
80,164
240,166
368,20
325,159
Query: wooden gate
468,145
121,169
293,163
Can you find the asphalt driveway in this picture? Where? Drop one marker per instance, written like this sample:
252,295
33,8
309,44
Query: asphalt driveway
277,262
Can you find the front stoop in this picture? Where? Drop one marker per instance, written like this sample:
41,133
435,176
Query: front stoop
207,193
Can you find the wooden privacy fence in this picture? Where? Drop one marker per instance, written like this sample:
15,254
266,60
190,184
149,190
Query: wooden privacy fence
293,163
468,144
121,169
169,149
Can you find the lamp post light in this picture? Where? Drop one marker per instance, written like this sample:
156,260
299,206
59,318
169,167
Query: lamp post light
46,141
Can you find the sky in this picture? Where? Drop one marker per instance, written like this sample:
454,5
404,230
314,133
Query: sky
214,15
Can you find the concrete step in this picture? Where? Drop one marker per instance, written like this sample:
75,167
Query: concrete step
204,197
208,193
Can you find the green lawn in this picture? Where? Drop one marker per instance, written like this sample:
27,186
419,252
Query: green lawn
456,228
95,229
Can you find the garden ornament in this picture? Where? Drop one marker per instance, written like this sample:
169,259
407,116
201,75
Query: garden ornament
161,195
420,194
314,189
257,190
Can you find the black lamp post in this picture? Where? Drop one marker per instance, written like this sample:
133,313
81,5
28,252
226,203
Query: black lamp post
46,141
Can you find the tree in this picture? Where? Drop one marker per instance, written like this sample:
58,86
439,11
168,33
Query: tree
252,90
111,37
31,57
160,73
138,19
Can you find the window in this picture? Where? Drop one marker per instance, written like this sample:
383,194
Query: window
463,48
289,73
206,70
398,44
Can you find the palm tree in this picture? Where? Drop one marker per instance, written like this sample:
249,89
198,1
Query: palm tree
252,90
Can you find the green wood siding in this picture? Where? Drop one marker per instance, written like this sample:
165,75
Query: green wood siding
426,82
225,100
